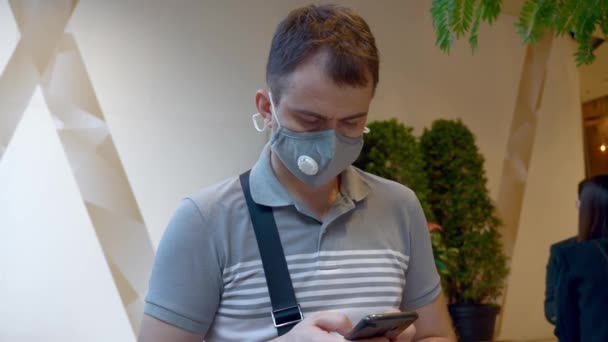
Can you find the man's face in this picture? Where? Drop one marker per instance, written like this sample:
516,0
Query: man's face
311,101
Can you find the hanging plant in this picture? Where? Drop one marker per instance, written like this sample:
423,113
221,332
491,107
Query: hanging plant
453,19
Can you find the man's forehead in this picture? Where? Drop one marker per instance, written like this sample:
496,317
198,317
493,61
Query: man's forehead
325,97
325,105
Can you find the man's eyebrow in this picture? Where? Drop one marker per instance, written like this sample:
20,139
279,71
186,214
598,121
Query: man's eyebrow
323,117
355,116
310,113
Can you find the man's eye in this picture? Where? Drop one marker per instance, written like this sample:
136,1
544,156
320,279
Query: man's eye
310,121
352,122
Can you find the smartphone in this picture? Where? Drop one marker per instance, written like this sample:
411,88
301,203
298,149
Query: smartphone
387,324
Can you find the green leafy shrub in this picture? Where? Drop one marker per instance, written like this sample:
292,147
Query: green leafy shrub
391,151
460,201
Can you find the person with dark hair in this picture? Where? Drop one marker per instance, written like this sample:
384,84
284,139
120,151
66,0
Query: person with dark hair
344,243
552,266
581,294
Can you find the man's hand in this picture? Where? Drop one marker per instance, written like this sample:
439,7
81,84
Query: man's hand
320,327
407,335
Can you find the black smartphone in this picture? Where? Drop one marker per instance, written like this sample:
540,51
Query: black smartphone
387,324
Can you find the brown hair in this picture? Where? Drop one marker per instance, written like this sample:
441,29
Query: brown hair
338,31
593,210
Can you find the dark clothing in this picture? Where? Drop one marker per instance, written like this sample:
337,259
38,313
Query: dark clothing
551,283
582,293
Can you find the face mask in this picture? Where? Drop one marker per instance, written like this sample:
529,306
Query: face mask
315,158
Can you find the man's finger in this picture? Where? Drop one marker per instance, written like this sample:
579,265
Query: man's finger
333,321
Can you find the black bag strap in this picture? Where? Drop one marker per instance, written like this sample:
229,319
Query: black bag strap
286,311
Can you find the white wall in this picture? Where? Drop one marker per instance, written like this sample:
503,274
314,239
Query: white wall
55,284
420,84
176,82
8,34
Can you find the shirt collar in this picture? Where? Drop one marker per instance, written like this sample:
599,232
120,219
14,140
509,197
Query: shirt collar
267,190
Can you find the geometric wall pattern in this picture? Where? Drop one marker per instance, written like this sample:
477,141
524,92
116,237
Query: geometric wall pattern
520,142
47,57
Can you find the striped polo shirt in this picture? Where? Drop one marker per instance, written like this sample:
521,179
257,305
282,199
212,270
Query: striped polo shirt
370,254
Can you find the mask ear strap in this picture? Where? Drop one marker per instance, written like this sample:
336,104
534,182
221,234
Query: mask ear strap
273,110
256,122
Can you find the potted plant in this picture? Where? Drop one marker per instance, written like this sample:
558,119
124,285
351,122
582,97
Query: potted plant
393,152
460,200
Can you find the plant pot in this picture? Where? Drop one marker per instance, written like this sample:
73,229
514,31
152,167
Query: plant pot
474,322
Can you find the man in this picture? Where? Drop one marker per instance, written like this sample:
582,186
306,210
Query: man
553,266
355,244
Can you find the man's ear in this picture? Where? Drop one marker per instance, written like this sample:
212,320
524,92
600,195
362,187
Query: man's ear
262,103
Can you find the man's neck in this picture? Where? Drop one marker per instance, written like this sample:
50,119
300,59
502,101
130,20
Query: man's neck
318,200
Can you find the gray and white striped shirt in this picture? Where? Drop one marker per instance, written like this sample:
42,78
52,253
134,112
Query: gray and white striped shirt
371,254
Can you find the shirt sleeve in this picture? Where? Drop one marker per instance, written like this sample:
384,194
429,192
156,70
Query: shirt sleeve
550,284
186,281
567,326
422,282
